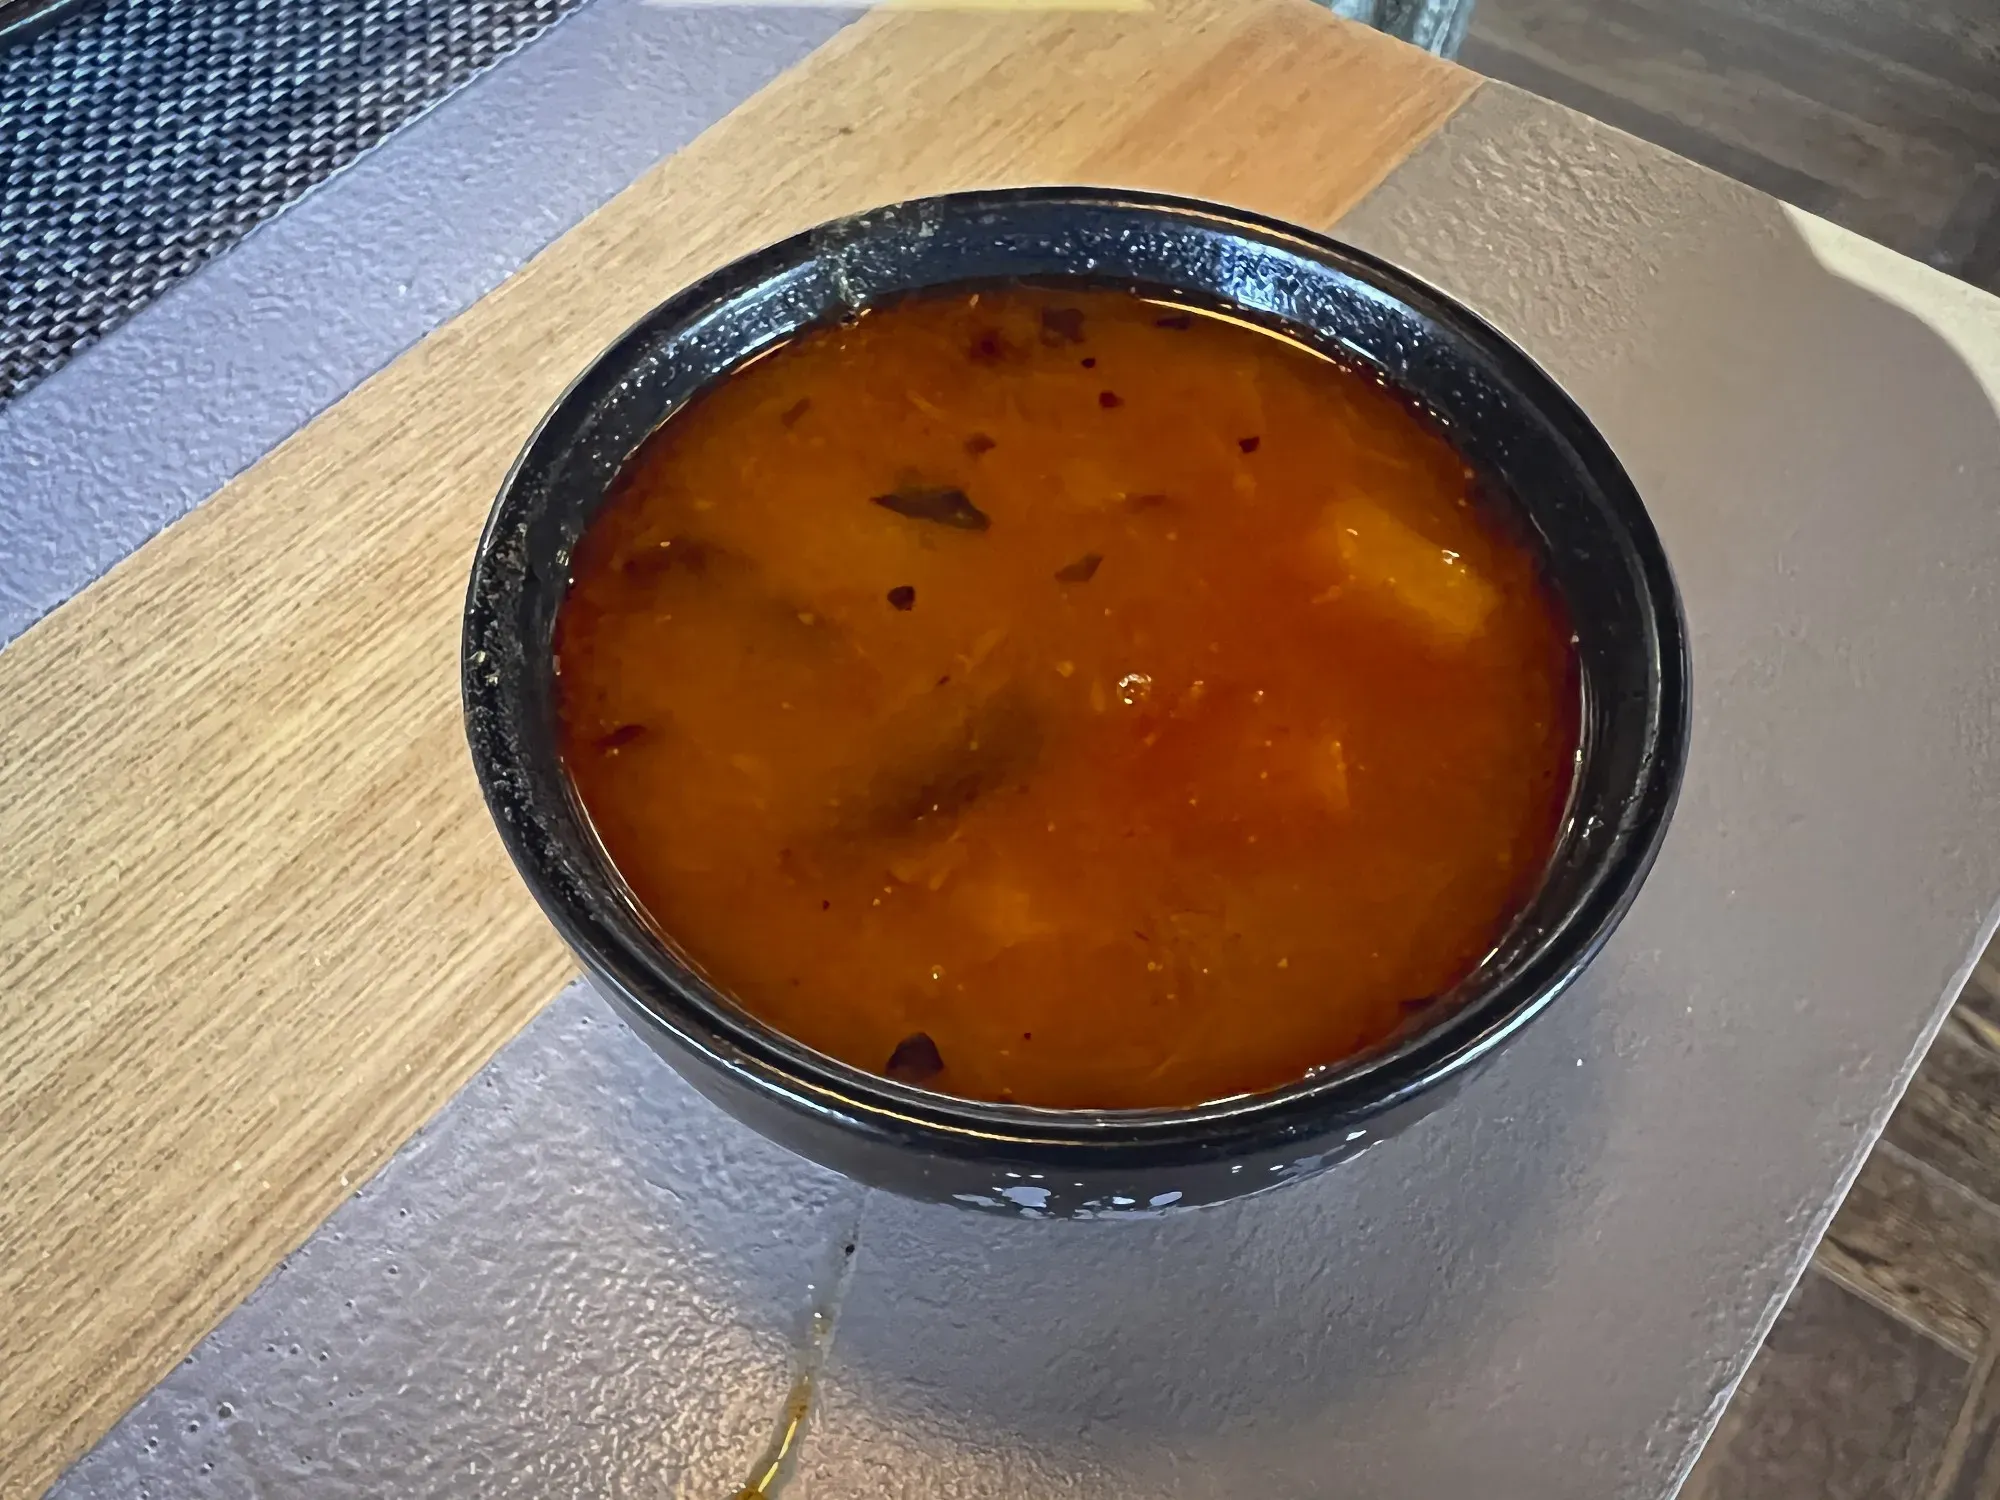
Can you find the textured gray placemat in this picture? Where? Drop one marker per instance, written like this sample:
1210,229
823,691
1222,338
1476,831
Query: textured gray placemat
138,138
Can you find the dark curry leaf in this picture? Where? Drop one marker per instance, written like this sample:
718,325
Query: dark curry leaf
915,1060
947,507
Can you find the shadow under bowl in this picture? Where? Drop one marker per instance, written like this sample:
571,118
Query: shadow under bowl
1532,448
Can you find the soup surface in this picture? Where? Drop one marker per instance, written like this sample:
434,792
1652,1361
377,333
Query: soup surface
1065,698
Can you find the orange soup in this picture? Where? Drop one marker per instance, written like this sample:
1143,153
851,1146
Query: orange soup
1066,698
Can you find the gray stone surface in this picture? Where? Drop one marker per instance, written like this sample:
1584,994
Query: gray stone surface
568,1284
1541,1292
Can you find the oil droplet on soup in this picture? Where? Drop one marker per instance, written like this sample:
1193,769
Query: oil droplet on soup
1064,698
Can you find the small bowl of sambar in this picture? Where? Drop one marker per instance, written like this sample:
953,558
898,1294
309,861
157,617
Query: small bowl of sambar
1074,702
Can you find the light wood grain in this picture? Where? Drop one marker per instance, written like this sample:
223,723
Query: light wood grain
254,926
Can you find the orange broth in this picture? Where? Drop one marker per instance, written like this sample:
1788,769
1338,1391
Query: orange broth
1066,698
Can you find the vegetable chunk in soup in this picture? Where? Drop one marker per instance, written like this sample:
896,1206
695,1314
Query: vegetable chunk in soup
1066,698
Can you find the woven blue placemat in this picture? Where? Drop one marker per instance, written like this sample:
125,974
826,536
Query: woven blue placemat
138,138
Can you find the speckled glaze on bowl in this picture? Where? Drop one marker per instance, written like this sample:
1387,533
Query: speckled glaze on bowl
1533,450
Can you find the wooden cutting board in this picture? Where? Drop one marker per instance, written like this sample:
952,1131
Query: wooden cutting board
254,926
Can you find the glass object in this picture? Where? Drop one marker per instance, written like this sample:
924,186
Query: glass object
1434,25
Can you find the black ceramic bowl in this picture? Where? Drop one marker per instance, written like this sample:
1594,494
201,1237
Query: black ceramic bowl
1531,445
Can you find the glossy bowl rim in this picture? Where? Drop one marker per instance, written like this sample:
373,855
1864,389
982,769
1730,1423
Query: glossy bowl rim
663,990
